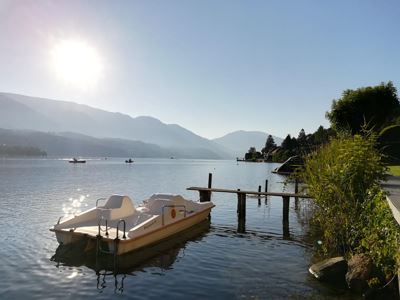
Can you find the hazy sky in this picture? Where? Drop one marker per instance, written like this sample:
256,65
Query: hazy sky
210,66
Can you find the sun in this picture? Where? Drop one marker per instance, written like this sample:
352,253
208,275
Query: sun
76,63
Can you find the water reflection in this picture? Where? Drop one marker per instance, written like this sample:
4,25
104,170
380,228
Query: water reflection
161,255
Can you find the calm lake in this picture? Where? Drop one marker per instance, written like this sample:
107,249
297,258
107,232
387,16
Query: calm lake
215,262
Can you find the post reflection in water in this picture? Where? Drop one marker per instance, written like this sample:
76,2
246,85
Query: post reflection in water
161,255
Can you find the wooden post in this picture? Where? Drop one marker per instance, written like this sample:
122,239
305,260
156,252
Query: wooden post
285,217
241,211
259,196
205,196
244,206
241,205
286,201
266,190
296,191
238,203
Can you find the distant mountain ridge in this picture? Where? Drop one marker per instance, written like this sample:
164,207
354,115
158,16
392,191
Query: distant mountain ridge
102,132
39,114
240,141
73,144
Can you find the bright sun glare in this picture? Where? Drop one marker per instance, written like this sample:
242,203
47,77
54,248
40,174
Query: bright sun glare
76,63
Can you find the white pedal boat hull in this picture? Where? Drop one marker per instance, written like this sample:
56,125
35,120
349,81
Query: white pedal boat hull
159,218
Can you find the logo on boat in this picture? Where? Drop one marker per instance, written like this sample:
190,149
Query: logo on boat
173,213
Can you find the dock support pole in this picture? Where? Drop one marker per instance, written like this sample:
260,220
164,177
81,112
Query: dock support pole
266,190
241,212
205,196
285,217
296,191
259,196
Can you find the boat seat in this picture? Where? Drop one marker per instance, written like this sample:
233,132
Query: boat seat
117,207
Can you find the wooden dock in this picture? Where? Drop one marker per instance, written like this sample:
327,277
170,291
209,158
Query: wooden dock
205,195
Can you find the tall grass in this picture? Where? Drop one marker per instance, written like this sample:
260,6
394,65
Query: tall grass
344,177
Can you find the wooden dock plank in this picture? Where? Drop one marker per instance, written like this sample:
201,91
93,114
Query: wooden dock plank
218,190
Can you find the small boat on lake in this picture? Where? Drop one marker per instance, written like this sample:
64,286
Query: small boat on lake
129,161
77,161
119,227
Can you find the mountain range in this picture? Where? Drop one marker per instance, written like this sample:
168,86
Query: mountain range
68,128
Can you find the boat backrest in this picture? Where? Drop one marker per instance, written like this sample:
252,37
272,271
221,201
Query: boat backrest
158,201
123,203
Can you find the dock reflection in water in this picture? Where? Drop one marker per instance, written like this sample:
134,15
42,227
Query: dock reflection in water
161,255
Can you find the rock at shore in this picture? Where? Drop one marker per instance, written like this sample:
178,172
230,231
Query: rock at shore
360,268
332,269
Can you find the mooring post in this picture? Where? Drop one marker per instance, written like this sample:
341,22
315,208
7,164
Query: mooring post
296,191
286,201
241,205
285,218
241,211
238,203
266,190
206,195
259,196
244,206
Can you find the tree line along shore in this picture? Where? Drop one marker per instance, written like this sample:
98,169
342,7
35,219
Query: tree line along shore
343,168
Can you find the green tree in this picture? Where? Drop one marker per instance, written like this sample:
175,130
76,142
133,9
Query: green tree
320,136
269,144
288,143
302,140
374,106
252,154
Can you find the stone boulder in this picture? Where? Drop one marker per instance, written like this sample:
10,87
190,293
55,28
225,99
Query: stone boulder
360,268
331,269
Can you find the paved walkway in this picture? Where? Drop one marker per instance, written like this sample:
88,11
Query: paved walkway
392,186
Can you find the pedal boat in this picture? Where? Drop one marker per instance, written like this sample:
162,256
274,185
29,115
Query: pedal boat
119,227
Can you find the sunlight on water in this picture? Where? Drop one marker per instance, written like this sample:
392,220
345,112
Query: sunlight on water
73,274
74,205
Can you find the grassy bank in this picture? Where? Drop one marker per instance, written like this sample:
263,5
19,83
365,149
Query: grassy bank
394,170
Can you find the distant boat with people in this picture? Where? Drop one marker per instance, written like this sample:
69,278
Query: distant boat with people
129,161
77,161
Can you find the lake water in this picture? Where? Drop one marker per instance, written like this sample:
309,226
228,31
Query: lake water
217,262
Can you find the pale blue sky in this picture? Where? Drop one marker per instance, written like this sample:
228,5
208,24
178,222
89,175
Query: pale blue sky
210,66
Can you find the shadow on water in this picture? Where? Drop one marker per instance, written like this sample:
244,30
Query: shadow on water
162,254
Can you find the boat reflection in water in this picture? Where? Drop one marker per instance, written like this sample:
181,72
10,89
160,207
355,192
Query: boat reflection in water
162,255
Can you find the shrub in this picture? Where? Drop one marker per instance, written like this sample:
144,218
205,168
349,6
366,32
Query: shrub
344,178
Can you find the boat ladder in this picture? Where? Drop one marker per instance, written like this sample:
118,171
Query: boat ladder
114,252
